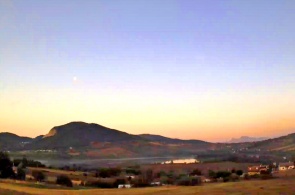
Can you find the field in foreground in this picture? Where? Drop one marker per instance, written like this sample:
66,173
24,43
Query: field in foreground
274,186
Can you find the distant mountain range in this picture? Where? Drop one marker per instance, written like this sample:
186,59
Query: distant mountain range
89,140
247,139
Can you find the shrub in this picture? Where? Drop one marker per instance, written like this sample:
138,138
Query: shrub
109,172
225,179
239,172
196,172
133,171
64,180
223,174
140,183
119,181
38,175
234,177
212,174
184,181
21,174
189,181
100,184
196,181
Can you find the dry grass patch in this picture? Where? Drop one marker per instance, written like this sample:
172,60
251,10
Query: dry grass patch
274,186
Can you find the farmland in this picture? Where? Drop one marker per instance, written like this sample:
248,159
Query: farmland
204,167
273,186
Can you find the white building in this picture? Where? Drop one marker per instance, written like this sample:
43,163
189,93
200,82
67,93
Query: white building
286,166
124,186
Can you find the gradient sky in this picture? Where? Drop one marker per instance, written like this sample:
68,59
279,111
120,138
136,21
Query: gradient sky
191,69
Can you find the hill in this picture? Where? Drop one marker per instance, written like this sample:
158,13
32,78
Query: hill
10,141
80,134
247,139
284,143
166,140
88,140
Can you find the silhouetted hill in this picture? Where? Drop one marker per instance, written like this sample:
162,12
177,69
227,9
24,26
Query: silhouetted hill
284,143
80,134
88,140
247,139
10,141
162,139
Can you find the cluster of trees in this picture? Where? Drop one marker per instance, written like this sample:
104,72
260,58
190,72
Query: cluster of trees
106,184
232,175
6,166
28,163
61,179
108,172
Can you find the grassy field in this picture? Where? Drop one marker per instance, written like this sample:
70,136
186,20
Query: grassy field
204,167
274,186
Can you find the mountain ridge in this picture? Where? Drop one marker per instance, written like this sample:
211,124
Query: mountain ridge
90,140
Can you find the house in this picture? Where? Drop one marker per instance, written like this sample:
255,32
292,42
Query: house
205,179
253,170
156,183
257,169
286,166
124,186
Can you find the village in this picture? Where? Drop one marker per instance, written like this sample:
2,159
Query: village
181,173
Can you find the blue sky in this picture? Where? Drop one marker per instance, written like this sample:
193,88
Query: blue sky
194,58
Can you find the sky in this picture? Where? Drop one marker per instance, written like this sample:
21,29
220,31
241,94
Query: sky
190,69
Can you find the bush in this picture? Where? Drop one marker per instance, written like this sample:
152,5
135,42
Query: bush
28,163
140,183
119,181
133,171
108,172
184,181
38,175
21,174
234,177
225,179
64,180
196,172
100,184
223,174
239,172
189,181
212,174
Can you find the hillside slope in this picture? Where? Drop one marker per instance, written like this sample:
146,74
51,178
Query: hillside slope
10,141
284,143
80,134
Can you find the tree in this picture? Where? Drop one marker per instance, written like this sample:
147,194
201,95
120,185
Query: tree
212,174
149,175
25,162
21,174
223,174
239,172
196,172
64,180
38,175
6,170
